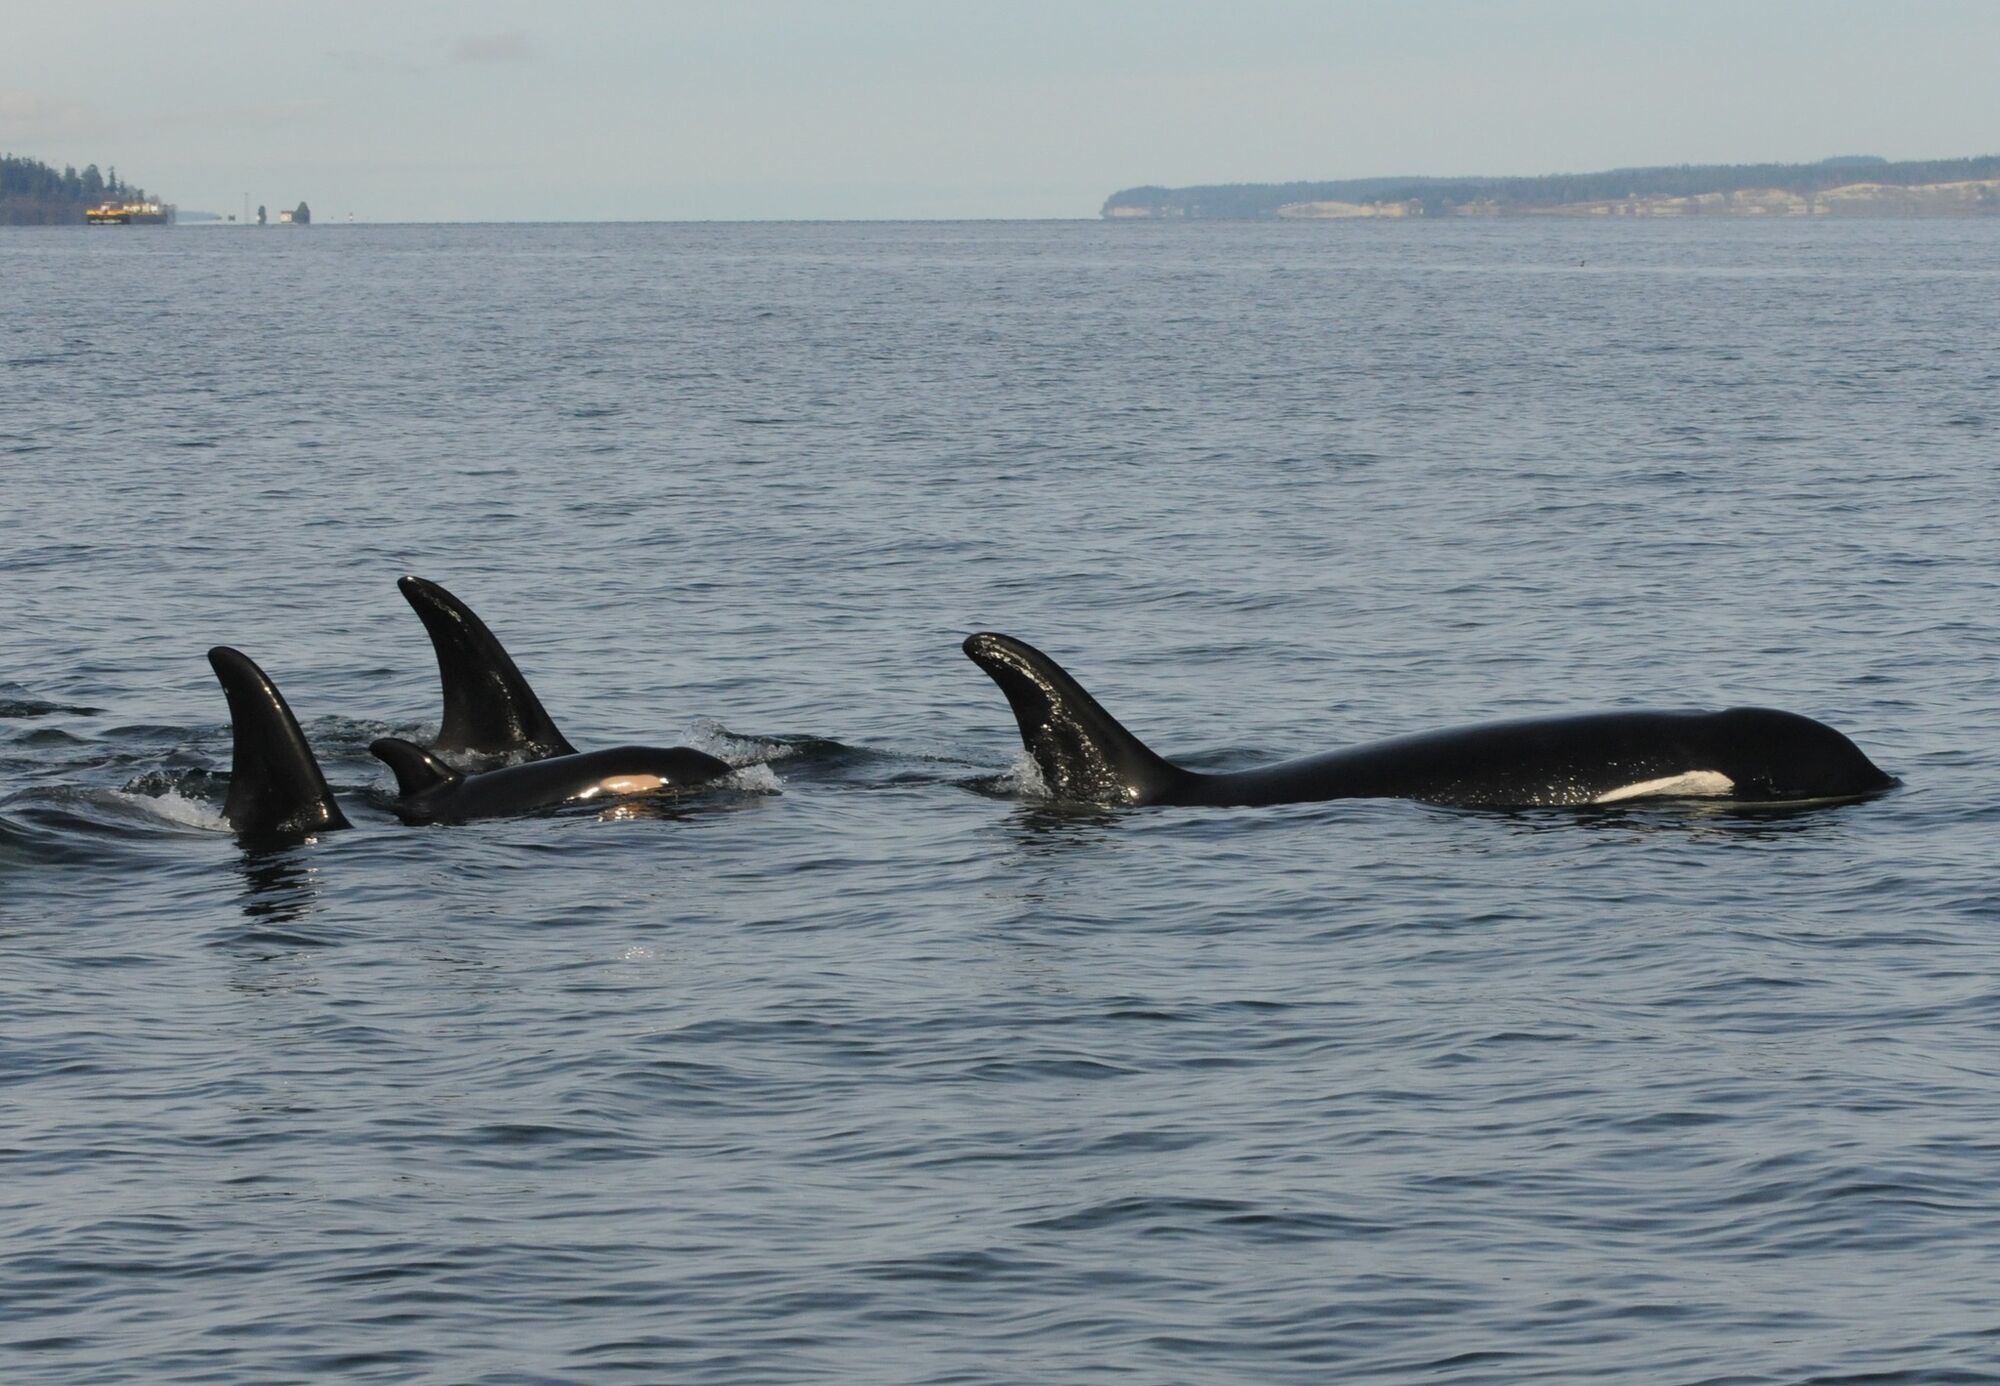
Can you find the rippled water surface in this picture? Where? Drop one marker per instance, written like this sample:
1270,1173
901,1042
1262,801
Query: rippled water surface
871,1066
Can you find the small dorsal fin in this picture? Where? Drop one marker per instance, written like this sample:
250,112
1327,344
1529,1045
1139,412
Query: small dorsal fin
416,769
1081,750
276,790
489,710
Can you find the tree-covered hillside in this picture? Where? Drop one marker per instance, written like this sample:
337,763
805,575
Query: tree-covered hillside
33,194
1436,196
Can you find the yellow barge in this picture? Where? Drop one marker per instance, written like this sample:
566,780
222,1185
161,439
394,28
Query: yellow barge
129,214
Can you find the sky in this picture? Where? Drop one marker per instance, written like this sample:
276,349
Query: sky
592,110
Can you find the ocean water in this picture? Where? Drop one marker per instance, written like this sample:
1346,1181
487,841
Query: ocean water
872,1066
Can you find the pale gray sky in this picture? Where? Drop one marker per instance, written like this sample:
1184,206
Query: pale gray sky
404,110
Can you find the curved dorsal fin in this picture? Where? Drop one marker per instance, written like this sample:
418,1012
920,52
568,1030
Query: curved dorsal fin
1080,749
489,710
276,790
416,769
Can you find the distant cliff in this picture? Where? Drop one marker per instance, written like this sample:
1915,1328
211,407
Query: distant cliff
1853,186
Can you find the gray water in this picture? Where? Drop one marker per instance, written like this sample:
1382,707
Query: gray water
871,1066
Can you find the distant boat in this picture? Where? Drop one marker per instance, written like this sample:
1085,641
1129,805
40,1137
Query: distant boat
129,214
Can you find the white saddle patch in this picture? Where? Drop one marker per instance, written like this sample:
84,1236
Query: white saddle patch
1703,783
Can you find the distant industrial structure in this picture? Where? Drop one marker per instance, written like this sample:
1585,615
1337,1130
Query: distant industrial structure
300,215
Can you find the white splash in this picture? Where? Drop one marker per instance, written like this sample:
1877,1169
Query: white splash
1024,778
711,736
754,779
173,807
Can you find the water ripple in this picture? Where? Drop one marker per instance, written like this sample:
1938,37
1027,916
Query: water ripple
877,1066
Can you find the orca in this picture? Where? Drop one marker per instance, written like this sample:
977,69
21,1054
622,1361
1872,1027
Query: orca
511,758
1745,754
431,791
491,715
276,790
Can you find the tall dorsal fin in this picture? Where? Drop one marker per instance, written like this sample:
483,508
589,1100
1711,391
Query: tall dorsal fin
416,769
489,710
1080,749
276,790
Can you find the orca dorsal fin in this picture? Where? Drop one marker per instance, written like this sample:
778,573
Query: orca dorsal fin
1081,750
489,710
417,770
276,790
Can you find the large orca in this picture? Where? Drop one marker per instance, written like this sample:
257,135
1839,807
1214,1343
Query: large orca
490,713
276,790
433,792
1744,754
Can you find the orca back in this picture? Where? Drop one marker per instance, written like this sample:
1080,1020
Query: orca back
430,791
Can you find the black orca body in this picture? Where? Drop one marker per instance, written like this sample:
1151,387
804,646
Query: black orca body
490,713
433,792
1753,755
492,717
276,790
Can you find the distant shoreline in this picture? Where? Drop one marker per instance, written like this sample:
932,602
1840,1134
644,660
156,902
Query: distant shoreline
1843,187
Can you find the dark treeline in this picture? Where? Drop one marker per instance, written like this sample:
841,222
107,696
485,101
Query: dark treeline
33,194
1248,201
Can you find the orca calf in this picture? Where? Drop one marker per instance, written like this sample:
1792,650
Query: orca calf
490,713
1749,755
276,790
433,792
